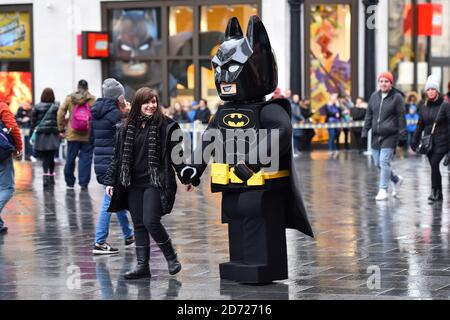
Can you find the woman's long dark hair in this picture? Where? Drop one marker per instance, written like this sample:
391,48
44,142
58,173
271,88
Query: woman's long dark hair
142,96
48,96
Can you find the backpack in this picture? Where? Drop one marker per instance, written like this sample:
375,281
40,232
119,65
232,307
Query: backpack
7,146
81,117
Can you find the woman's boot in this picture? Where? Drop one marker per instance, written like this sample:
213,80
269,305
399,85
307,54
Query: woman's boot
431,197
142,269
438,195
168,250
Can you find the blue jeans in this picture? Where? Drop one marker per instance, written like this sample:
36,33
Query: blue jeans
84,151
410,139
104,219
382,159
332,135
6,184
297,135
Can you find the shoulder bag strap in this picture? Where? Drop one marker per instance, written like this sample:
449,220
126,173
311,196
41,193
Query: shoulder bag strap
45,116
437,117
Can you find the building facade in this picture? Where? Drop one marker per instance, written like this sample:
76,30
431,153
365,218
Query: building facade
322,46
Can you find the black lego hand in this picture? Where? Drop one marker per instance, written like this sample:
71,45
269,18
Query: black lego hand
189,175
245,171
447,159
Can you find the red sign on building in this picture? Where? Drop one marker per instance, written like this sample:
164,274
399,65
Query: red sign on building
429,19
95,45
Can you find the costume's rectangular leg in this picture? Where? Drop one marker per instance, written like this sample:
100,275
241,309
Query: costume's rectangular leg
258,223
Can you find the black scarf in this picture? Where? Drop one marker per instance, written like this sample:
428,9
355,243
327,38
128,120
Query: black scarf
154,152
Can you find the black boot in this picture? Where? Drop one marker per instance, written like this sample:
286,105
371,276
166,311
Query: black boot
142,269
438,195
171,256
431,197
52,180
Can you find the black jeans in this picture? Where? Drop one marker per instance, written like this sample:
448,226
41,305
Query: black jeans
48,160
435,160
146,212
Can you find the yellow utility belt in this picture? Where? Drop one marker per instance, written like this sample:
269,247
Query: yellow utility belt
223,173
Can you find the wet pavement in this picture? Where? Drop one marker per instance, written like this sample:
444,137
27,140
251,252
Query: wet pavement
398,249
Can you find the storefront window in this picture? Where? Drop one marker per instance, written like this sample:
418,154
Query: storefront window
136,33
147,51
330,53
215,18
422,53
441,43
442,74
181,27
181,80
137,74
15,35
15,58
208,85
445,79
401,54
213,22
136,40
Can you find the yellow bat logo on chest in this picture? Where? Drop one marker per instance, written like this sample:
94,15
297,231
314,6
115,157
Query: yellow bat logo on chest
236,120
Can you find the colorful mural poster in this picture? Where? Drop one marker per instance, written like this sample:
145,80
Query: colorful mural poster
330,52
15,88
15,35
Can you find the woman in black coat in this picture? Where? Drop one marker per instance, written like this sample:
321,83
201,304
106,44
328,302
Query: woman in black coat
141,177
46,143
428,114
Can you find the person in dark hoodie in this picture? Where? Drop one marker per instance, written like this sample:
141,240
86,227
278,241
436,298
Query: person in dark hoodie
203,113
78,106
23,119
106,113
386,117
434,115
46,144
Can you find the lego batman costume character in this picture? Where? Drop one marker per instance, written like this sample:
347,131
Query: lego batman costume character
258,202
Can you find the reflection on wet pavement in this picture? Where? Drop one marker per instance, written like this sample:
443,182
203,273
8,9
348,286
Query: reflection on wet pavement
47,253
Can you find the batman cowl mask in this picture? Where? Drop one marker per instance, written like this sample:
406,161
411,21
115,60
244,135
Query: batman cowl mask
245,68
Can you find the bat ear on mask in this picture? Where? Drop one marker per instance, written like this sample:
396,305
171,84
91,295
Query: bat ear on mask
257,34
233,30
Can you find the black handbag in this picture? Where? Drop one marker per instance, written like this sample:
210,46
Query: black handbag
426,142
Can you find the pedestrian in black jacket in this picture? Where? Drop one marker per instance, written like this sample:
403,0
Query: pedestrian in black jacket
141,177
23,119
386,117
203,113
46,144
358,113
106,113
307,134
434,110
